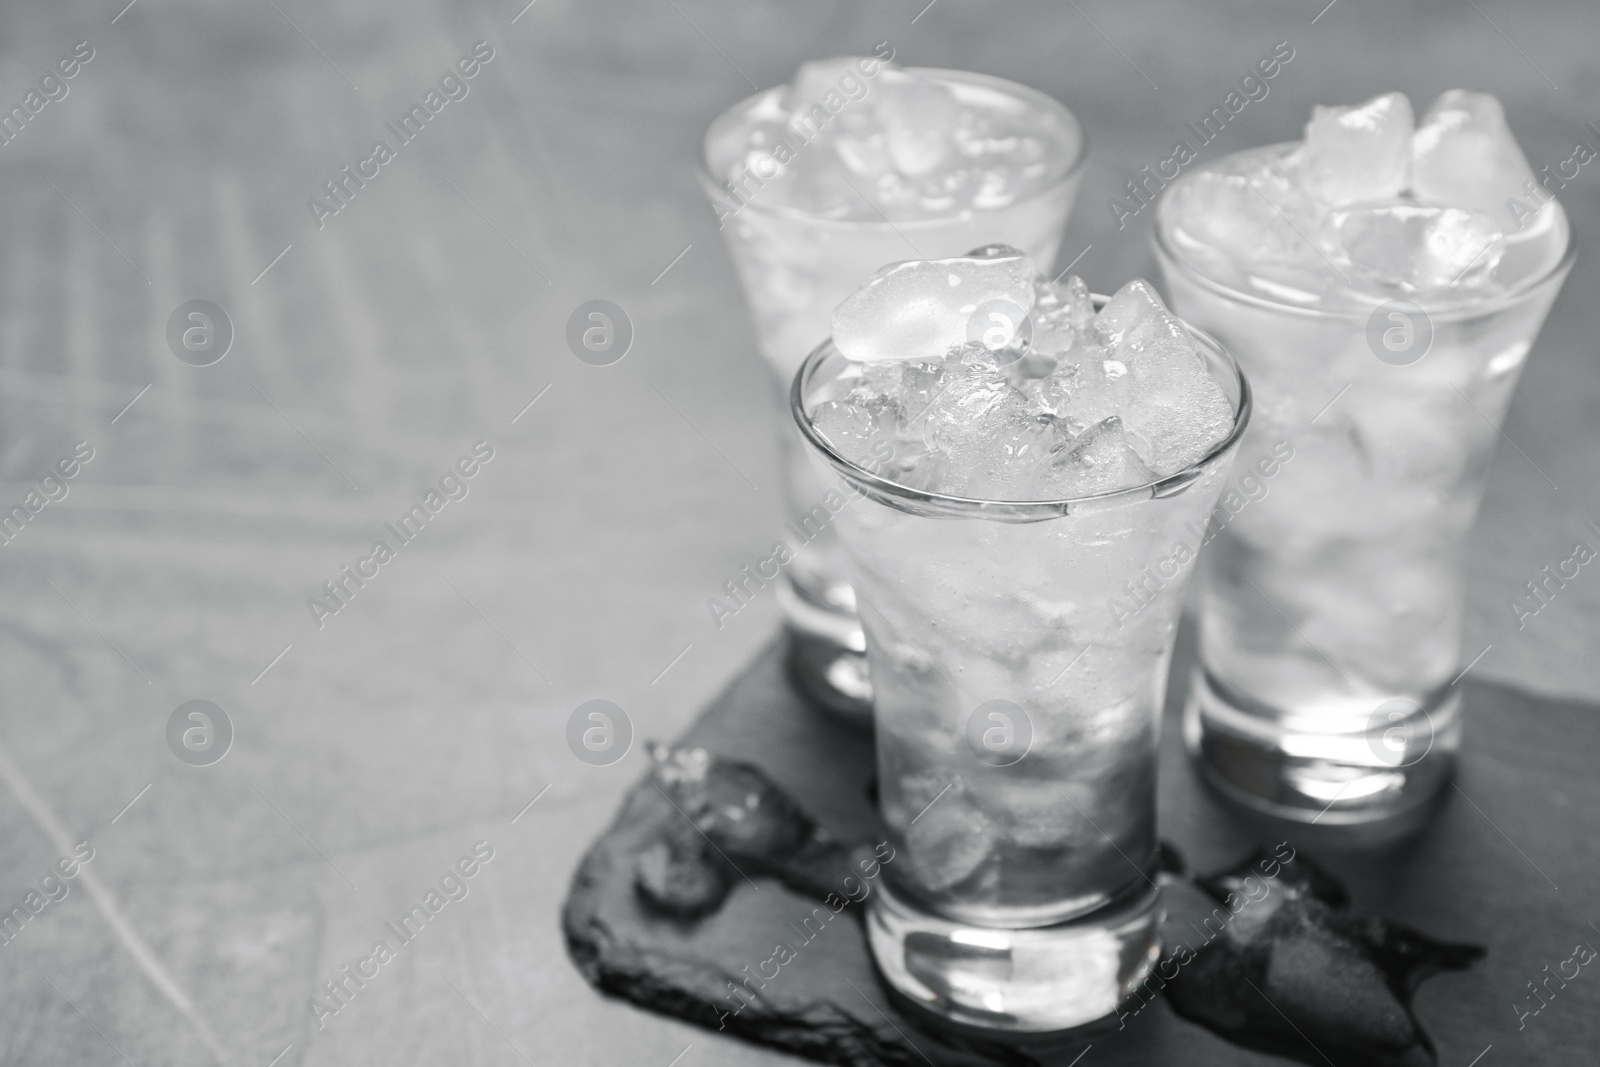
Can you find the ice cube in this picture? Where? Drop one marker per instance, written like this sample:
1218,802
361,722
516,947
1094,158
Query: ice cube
967,408
851,428
1079,304
994,189
1180,413
913,462
1052,398
1051,394
1131,400
1252,215
876,379
816,79
939,193
974,401
863,151
1062,311
999,463
918,116
1173,404
920,386
1358,153
948,841
1040,814
1031,367
1090,390
1100,460
1464,156
1135,319
1415,248
921,309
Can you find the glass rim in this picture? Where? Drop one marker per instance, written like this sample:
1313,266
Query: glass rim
1469,309
1074,168
946,505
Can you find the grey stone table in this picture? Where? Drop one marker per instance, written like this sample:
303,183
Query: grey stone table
373,748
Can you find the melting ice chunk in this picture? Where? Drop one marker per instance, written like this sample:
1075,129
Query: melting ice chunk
1358,153
1465,156
1419,249
923,308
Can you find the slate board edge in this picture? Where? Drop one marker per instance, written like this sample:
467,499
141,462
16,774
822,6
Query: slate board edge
821,1032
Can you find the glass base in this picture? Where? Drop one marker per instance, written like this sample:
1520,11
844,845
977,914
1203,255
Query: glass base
827,656
1383,771
1035,980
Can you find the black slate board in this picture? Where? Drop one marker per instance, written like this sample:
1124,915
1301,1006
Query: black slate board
1507,863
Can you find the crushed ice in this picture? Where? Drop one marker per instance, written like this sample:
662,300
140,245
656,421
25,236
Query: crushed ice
860,138
1088,403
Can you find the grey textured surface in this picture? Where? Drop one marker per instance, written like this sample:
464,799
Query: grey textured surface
424,317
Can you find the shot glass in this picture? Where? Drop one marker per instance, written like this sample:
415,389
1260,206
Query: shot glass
1330,621
1018,708
795,268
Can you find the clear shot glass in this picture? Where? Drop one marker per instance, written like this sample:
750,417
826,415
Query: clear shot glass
1332,593
795,268
1018,698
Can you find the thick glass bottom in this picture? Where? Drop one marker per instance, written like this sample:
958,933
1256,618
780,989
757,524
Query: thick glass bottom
1035,980
827,655
1334,771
